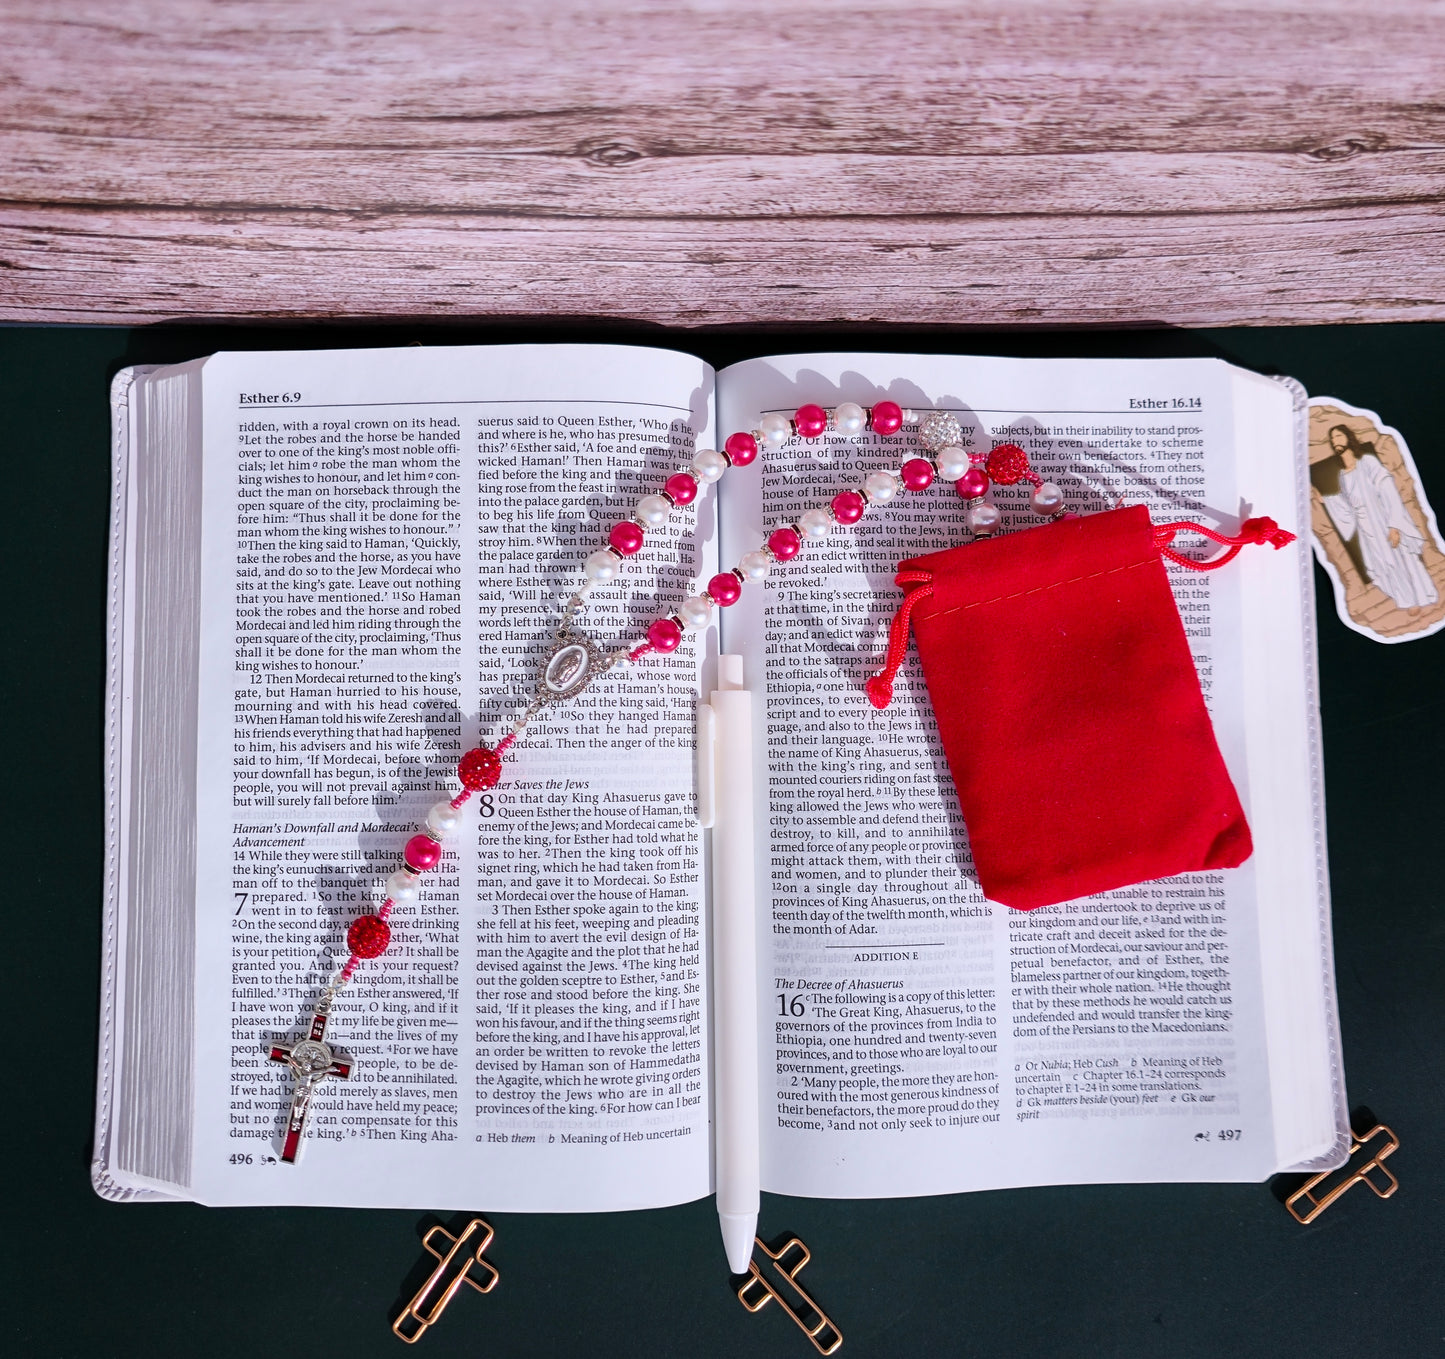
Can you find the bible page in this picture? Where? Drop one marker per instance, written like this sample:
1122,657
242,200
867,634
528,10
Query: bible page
390,537
923,1039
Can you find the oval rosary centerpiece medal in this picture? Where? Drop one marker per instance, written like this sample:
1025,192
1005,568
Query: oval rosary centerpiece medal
567,669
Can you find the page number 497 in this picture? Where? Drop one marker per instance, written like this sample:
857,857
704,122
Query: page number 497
1221,1135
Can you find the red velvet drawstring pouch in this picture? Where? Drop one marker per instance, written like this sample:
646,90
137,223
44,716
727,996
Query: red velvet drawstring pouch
1068,705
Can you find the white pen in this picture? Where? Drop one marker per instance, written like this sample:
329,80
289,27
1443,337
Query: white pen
725,802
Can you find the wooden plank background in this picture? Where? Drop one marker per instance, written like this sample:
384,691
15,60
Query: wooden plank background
1019,161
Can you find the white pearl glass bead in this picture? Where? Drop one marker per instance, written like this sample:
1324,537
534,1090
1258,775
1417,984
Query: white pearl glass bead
1047,498
755,565
880,487
708,465
601,567
652,511
401,888
695,612
776,429
814,524
952,463
849,418
983,518
443,819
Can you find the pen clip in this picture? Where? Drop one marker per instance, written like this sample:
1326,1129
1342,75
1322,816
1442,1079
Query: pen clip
706,774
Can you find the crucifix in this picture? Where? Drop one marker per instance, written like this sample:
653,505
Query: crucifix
311,1061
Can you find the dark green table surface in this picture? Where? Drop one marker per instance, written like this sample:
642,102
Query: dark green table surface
1206,1270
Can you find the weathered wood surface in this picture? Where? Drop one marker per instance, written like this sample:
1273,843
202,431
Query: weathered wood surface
1019,161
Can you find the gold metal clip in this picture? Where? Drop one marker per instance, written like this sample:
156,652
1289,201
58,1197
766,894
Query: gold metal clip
465,1253
1372,1171
755,1292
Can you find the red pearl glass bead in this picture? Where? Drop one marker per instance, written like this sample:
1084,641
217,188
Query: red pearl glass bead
917,474
741,449
724,588
973,483
784,544
681,487
480,769
368,936
887,417
1007,464
848,507
664,635
422,852
626,537
810,421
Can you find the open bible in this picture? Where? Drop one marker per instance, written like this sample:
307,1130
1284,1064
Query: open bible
334,572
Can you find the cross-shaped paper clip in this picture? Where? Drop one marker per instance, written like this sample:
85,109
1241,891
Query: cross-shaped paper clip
1305,1204
464,1255
755,1292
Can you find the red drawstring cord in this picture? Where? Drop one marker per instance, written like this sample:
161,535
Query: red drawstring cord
880,686
1262,530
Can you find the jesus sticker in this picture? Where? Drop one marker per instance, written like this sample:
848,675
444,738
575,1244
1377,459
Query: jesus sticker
1374,531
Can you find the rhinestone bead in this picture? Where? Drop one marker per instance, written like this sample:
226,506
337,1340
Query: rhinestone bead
1007,464
887,417
368,936
939,429
480,769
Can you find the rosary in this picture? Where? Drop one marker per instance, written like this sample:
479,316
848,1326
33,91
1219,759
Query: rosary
575,660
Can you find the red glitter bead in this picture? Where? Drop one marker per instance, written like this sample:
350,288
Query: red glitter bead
848,507
917,474
422,852
626,537
1007,464
480,769
887,417
368,936
681,487
664,635
973,483
784,544
741,449
724,588
810,421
